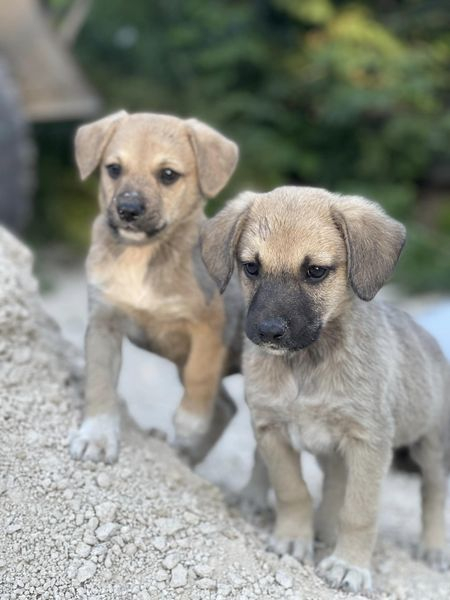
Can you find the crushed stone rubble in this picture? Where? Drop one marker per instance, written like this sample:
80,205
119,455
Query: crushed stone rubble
145,528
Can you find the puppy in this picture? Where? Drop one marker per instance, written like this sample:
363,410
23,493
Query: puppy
330,372
146,279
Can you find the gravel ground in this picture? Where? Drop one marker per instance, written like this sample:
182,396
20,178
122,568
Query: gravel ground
147,527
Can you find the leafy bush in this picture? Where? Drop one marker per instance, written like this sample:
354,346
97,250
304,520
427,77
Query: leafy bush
352,96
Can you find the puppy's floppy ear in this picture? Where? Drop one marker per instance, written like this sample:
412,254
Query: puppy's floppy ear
373,240
216,155
91,140
219,238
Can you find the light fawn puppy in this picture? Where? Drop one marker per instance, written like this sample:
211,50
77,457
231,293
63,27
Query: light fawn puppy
328,371
146,279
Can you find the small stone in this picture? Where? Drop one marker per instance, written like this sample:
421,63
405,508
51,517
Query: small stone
106,511
93,523
207,583
13,528
72,570
191,518
86,571
89,538
169,526
130,549
83,549
105,531
235,579
103,480
100,550
203,570
171,561
283,579
159,542
224,589
179,577
161,575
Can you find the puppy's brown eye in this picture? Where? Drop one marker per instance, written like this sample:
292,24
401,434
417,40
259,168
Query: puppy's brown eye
114,170
251,269
316,273
168,176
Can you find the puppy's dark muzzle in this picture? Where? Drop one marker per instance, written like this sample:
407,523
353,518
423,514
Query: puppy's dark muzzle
274,333
130,206
272,330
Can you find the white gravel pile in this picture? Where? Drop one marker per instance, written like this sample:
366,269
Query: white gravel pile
147,527
144,528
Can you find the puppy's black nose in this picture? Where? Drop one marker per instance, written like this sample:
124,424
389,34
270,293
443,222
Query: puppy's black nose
130,206
272,330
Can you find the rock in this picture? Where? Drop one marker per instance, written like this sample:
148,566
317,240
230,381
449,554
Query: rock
284,579
103,480
171,561
169,526
89,538
83,549
105,531
93,523
86,571
161,575
179,577
206,584
203,570
159,542
130,549
106,511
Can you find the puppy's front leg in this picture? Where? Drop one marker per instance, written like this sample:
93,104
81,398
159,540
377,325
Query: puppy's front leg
293,532
205,408
98,437
348,567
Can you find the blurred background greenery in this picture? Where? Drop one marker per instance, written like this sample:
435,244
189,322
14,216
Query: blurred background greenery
352,96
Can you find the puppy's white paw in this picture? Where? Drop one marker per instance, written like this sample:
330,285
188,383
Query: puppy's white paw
299,548
339,574
436,558
97,439
190,428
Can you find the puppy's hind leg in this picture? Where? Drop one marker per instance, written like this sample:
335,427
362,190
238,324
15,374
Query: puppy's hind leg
429,455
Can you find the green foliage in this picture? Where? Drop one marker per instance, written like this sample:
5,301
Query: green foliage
65,207
347,95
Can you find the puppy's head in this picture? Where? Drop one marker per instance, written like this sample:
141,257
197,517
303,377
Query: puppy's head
301,254
155,169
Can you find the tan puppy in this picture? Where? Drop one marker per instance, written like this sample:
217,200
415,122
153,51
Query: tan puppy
146,277
331,373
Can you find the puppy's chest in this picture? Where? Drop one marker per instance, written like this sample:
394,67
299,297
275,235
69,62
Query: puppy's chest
133,287
314,436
